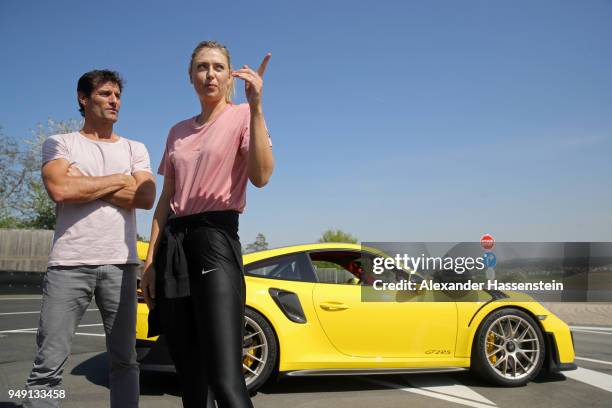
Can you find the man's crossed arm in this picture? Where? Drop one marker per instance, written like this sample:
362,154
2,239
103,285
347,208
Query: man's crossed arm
66,184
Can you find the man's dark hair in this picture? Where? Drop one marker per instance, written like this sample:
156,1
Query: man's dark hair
90,80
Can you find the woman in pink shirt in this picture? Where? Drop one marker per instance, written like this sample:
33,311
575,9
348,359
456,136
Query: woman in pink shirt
194,281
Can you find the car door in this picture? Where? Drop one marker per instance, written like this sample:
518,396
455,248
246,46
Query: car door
402,325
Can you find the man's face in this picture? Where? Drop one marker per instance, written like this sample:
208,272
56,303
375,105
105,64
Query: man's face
103,103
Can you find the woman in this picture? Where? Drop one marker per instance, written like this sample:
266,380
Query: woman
193,279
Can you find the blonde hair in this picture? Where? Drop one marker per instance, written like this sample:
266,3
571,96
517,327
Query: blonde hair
223,49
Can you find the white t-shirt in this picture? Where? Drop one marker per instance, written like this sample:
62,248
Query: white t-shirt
95,233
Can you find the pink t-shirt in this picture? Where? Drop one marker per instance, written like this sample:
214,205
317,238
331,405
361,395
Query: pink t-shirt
95,233
209,162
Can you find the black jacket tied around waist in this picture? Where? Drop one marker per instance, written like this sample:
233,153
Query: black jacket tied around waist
171,265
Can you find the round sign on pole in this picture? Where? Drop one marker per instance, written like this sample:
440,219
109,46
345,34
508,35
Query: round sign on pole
487,241
490,260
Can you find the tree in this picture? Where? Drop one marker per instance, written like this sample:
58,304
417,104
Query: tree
332,235
259,245
24,202
11,180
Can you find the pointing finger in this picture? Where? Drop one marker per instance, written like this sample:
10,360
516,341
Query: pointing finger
264,64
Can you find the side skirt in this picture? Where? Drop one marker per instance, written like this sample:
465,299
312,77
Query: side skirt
367,371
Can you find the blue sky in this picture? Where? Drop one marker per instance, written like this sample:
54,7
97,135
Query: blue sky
394,121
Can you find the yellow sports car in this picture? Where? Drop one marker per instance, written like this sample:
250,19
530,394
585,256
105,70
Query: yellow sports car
306,315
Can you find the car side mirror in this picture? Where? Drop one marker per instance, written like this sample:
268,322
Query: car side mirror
416,279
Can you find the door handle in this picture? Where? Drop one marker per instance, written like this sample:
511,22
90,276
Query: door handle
333,306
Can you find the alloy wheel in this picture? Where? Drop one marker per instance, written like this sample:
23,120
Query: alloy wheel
254,350
512,347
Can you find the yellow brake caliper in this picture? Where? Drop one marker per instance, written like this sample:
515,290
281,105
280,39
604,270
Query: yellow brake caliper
491,347
247,359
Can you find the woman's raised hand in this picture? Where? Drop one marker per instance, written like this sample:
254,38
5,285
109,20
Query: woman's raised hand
253,81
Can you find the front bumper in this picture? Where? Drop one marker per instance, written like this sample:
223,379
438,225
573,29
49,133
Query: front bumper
552,361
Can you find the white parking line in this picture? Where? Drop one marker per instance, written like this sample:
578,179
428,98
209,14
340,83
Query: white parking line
609,329
591,377
35,329
17,313
592,332
77,333
21,298
20,331
446,385
593,360
441,391
38,311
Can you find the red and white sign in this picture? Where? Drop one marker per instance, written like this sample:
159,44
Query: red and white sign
487,241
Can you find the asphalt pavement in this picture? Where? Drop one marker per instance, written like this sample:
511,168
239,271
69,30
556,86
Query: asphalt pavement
86,383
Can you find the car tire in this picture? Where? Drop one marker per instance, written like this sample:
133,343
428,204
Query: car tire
508,349
260,350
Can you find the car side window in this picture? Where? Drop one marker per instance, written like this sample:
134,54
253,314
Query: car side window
291,267
341,267
331,272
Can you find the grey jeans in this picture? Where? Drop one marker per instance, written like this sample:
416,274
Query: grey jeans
67,292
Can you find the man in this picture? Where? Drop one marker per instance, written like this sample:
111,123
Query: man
97,179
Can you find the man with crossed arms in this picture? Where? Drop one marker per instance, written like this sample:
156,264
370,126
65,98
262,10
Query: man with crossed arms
97,180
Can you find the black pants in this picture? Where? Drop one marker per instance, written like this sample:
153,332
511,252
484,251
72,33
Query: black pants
204,331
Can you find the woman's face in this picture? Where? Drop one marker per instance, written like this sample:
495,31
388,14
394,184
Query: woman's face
210,75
